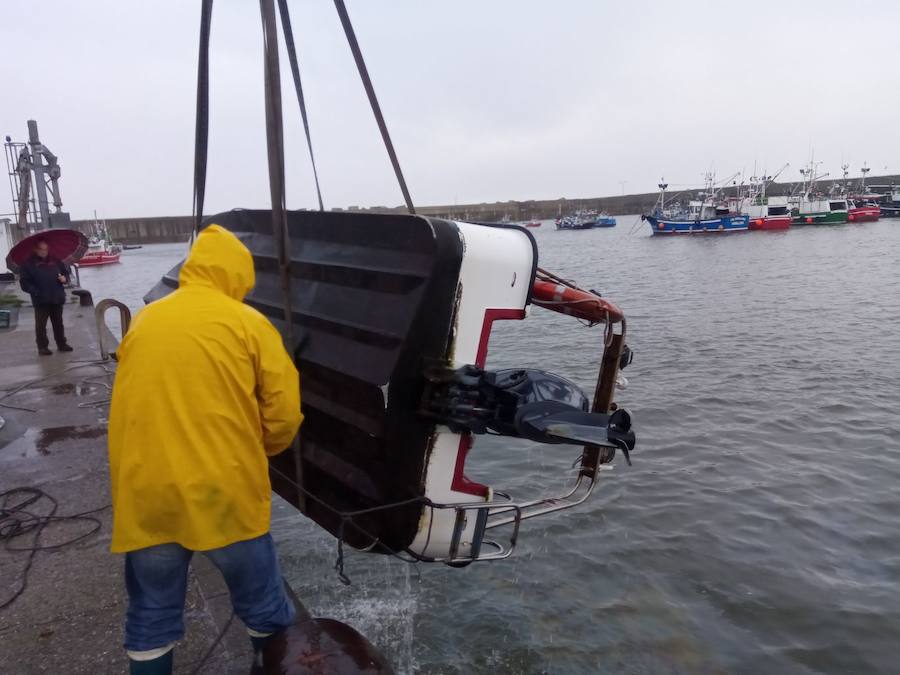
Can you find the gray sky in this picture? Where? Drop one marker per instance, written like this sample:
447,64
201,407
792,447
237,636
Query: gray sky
486,100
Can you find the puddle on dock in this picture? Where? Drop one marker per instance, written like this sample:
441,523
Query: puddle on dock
38,442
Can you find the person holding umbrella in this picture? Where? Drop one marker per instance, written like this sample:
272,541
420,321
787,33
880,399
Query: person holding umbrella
44,277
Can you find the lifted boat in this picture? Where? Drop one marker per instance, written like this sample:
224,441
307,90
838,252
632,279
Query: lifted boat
391,318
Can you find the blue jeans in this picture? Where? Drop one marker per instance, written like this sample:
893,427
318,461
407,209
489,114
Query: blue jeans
156,579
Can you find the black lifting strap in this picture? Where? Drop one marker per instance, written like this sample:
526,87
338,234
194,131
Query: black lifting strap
201,133
295,72
370,91
275,152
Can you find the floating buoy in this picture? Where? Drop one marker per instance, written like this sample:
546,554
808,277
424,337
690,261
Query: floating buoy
809,221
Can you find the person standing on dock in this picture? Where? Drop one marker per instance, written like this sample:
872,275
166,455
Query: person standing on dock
205,390
44,278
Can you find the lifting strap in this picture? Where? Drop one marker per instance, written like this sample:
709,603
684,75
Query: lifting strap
201,132
275,152
295,72
373,100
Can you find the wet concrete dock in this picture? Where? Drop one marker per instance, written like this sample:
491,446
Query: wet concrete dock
69,618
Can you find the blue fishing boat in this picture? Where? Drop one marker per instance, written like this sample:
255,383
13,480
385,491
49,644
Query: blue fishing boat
701,216
585,220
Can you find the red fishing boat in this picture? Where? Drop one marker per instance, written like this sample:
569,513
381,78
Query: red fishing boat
100,252
863,211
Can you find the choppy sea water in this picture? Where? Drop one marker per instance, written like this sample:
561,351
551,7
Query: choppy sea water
758,528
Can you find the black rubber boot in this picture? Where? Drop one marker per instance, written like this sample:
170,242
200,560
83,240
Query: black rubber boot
158,666
43,351
64,348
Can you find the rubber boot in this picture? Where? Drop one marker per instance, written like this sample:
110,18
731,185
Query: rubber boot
158,666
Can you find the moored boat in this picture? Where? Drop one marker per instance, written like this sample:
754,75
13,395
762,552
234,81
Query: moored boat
811,207
585,220
819,210
768,213
701,216
765,213
863,211
888,200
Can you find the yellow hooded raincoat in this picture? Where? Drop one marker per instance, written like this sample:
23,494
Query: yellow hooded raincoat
204,392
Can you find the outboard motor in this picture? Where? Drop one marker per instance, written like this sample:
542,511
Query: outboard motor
524,403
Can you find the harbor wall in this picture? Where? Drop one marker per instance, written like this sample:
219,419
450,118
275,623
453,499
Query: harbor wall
163,229
153,230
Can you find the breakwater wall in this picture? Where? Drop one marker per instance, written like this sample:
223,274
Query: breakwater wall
163,229
154,230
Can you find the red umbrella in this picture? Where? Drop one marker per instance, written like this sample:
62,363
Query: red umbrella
65,245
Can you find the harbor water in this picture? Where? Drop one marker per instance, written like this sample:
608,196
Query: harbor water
756,531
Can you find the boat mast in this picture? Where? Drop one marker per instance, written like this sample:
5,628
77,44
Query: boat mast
865,169
662,185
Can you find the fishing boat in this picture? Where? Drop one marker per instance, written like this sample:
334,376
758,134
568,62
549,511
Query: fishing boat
862,206
706,215
768,213
812,207
819,210
533,223
888,200
585,220
765,213
580,221
862,209
100,252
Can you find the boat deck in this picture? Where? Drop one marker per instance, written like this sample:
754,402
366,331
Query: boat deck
69,619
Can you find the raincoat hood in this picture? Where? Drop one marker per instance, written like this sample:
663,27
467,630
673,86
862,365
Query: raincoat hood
219,260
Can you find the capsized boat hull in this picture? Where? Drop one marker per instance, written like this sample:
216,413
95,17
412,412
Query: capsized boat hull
376,299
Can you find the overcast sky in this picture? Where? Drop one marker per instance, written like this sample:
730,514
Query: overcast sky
486,100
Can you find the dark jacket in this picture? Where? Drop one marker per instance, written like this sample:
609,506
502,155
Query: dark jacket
37,277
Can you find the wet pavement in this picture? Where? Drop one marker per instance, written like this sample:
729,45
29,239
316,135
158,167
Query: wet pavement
69,617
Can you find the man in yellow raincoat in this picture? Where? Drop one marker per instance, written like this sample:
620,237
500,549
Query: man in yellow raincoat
204,392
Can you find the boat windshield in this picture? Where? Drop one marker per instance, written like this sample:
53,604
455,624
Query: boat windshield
838,206
778,210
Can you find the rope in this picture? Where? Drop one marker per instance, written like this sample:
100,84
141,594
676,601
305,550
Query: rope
347,517
373,100
17,521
